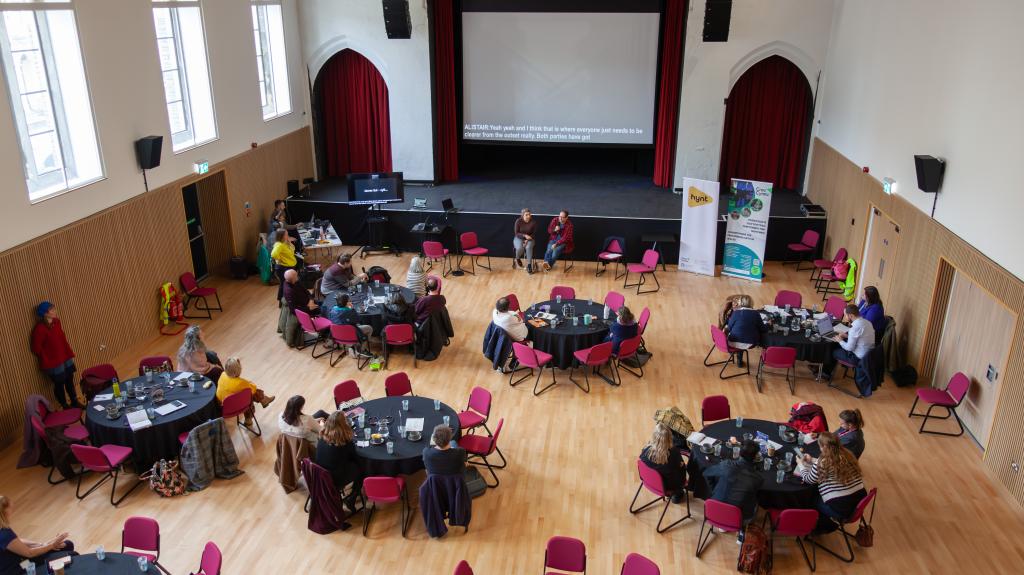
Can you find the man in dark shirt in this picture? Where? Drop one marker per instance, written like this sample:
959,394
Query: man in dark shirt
428,304
736,482
441,458
296,295
340,276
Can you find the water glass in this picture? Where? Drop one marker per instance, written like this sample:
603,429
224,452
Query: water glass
149,375
590,302
151,413
437,405
401,431
789,458
446,420
100,552
735,452
747,437
767,463
718,450
807,333
739,421
391,447
376,283
366,432
30,568
789,308
575,321
143,564
191,386
362,419
782,432
558,299
405,405
780,476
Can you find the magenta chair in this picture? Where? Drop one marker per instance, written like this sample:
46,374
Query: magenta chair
238,404
480,447
194,292
565,554
477,411
821,265
532,359
74,433
804,249
398,384
60,418
463,568
637,564
614,300
776,357
106,459
628,349
386,490
436,252
651,480
513,302
154,362
142,536
727,518
641,326
97,378
399,334
823,284
210,562
593,357
857,517
796,523
565,291
714,408
316,327
790,298
648,265
949,398
835,307
346,391
347,336
612,253
721,343
471,247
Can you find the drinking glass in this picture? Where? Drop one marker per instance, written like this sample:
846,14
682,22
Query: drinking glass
401,431
718,450
780,476
739,421
782,432
558,299
747,437
807,333
767,463
405,405
590,302
366,432
191,386
362,419
391,447
30,568
151,413
143,564
376,283
446,419
149,375
437,405
735,452
100,552
575,321
789,458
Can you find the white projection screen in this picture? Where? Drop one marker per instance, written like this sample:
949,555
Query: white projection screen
539,75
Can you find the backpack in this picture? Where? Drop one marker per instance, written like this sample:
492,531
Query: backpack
474,481
378,273
754,557
904,376
165,479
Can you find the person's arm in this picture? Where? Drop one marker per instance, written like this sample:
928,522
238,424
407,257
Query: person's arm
809,474
552,226
852,337
518,227
30,549
38,339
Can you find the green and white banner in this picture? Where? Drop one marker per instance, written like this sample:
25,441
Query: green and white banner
698,235
750,203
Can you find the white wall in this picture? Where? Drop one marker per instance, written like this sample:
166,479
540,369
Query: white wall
119,50
940,78
795,29
329,26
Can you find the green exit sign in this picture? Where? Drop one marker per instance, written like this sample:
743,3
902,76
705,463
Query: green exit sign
201,167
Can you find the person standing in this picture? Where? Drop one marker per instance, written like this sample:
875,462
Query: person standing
559,239
284,258
56,359
526,228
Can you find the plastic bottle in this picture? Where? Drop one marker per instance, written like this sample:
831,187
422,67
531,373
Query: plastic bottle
117,388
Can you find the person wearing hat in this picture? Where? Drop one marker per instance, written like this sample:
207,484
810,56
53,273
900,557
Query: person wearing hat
56,359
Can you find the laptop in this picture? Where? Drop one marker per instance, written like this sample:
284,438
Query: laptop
825,328
448,205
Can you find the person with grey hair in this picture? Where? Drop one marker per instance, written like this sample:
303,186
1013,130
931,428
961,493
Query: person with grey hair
441,458
526,228
416,277
195,357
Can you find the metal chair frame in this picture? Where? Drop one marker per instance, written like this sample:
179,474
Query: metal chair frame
668,501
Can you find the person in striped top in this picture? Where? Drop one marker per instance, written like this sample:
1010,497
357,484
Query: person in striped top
839,480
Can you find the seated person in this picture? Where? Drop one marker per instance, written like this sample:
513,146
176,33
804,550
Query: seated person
854,344
396,310
624,328
745,325
231,381
839,480
510,321
660,455
416,277
343,314
871,309
808,417
559,239
340,276
14,549
297,296
441,457
850,432
730,305
297,424
428,304
736,482
678,424
193,355
336,452
525,229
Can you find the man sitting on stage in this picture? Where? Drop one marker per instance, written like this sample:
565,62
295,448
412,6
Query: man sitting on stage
559,239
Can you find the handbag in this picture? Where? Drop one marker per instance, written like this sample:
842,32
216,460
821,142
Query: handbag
865,535
474,481
165,479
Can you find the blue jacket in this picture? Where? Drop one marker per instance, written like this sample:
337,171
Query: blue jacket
736,483
745,326
874,313
445,496
619,333
497,346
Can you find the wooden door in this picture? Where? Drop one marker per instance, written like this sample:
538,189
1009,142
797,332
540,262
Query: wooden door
879,254
975,340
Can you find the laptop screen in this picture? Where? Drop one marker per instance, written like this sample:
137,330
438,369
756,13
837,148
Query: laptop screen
824,325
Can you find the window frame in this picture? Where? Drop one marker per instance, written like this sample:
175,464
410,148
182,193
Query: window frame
265,60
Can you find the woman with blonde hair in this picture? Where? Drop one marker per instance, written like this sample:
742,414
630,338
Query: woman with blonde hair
839,480
231,381
14,549
416,278
659,455
336,452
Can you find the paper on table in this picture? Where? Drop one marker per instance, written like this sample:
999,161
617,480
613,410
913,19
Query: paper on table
362,444
841,328
695,437
139,420
708,441
183,375
380,299
98,407
821,315
170,407
770,309
414,424
103,397
775,446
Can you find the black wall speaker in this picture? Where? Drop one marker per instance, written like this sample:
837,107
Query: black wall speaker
929,173
716,20
147,151
397,21
293,188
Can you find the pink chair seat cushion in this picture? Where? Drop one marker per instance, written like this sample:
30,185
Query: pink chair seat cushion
936,396
401,486
542,357
469,419
609,256
639,268
62,417
581,356
76,432
475,444
321,323
149,557
777,365
845,363
475,251
117,454
799,247
183,437
824,264
203,291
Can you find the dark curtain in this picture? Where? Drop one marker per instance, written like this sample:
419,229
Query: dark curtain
446,144
673,35
766,125
356,128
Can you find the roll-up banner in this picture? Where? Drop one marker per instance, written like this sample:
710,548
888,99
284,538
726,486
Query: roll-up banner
750,203
698,234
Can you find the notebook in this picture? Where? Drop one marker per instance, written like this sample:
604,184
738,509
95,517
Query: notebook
414,424
139,420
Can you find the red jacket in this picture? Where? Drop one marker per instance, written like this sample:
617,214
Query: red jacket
50,345
564,236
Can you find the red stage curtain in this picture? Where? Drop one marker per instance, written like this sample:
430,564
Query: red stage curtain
766,125
446,144
354,116
672,37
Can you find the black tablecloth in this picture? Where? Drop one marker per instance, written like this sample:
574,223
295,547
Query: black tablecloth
161,440
561,342
408,456
790,494
113,563
806,349
373,316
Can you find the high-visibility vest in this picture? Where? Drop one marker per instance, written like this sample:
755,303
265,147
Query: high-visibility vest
171,308
850,287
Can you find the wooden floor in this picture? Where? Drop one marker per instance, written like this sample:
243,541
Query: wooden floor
571,456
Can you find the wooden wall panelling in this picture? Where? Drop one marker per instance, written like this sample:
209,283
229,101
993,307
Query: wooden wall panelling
214,213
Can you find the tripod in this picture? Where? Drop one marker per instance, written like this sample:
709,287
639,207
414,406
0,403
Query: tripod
376,242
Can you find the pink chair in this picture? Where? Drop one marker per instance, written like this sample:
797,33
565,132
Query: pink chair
398,384
714,408
209,564
480,447
60,418
594,358
386,490
857,517
142,535
614,300
821,265
346,391
721,343
629,349
823,284
531,358
97,378
652,481
399,334
154,362
835,307
727,518
238,404
471,247
565,554
796,523
513,302
316,327
463,568
106,459
804,249
75,433
777,357
641,325
194,292
477,411
565,291
613,252
790,298
648,265
347,336
436,252
636,564
949,398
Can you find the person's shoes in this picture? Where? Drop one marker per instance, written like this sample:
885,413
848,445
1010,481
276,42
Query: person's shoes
545,266
248,421
519,263
267,400
529,269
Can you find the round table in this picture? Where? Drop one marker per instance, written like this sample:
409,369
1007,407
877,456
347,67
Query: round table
562,341
373,315
160,441
113,563
408,456
790,494
806,349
